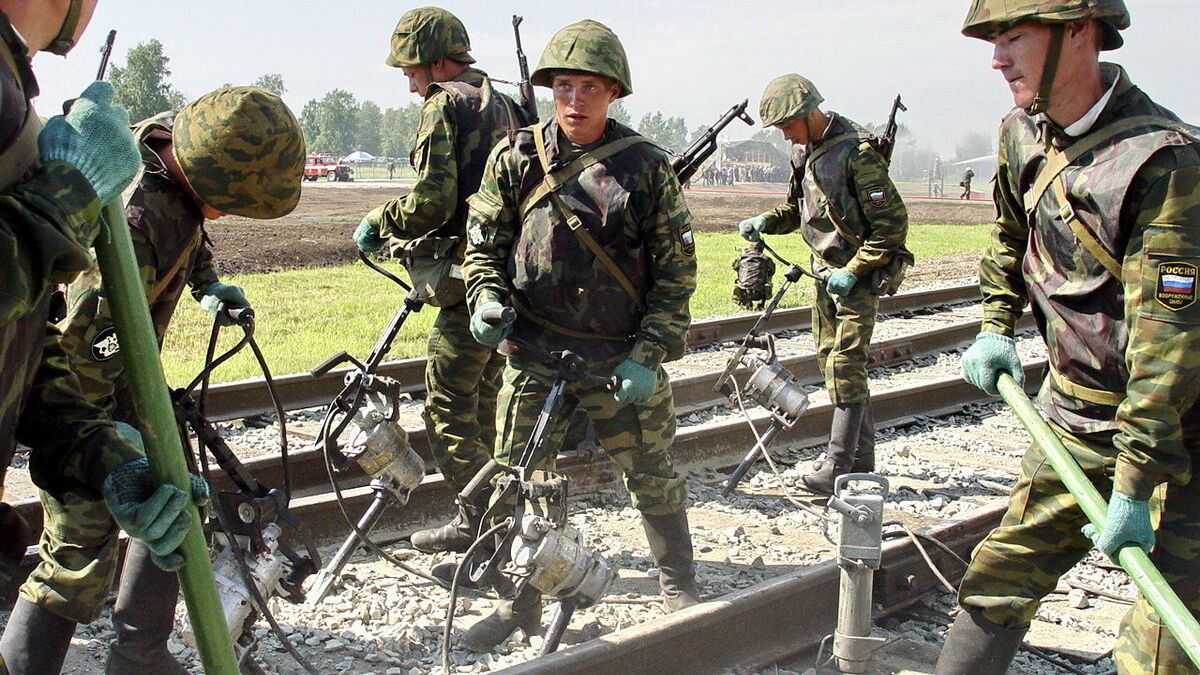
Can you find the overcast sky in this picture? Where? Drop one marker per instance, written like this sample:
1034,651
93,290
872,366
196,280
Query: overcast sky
688,58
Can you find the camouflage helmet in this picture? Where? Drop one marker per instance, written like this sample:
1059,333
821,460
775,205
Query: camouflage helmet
989,17
786,97
589,46
242,151
426,34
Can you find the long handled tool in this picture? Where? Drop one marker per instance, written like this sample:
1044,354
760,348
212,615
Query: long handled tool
164,449
1149,581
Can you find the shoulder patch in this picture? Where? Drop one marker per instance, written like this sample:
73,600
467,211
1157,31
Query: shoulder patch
877,195
687,240
1176,288
105,345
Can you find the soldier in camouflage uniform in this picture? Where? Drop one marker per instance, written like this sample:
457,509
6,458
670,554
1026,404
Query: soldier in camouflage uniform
848,211
461,120
202,163
53,180
965,183
615,291
1098,228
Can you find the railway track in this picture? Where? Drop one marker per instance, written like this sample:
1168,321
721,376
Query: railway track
741,629
311,480
300,390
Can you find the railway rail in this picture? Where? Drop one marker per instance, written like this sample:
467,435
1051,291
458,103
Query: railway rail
740,630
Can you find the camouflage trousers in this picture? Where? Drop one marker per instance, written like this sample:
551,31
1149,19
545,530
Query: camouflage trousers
842,329
637,437
462,378
1039,540
78,551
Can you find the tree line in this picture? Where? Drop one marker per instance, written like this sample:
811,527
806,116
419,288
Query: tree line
338,123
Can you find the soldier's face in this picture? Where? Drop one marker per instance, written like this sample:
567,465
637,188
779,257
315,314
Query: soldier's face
1019,53
419,78
581,103
795,131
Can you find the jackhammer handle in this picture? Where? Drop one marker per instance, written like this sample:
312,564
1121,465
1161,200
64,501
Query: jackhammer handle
242,316
496,315
329,364
482,479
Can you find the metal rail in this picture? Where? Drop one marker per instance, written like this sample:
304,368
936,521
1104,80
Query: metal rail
692,393
300,390
759,625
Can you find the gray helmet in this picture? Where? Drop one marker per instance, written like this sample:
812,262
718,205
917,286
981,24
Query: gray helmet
786,97
587,46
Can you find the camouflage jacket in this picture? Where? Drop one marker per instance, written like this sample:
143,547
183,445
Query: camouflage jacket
45,214
631,204
844,203
461,121
1122,347
172,253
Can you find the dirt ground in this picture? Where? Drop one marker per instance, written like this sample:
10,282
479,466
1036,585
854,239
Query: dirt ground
317,233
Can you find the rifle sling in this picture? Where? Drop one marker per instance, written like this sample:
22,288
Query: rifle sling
553,180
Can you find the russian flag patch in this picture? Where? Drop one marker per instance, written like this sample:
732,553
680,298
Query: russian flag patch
1176,285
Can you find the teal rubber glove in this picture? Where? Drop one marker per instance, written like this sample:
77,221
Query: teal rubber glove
367,238
157,516
215,294
94,137
489,333
1128,522
751,228
840,282
990,355
637,382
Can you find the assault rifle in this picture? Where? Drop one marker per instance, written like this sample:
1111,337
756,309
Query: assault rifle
105,53
887,142
524,87
688,162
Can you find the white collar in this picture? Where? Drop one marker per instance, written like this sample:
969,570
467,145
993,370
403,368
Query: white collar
1085,123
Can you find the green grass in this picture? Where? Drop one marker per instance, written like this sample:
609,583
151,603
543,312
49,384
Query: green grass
306,315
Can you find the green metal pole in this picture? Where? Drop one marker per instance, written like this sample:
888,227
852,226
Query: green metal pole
164,450
1149,581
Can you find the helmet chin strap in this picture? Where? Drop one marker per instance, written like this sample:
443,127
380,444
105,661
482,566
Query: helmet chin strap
1041,103
65,40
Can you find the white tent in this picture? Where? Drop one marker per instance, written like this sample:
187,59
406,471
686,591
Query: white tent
358,156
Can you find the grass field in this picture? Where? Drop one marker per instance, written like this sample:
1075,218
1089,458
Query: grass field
306,315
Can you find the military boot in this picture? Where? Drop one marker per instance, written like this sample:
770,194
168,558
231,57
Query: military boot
35,640
671,545
458,534
143,617
864,459
843,446
524,612
976,646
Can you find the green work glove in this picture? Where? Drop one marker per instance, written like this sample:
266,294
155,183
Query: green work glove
840,282
637,382
94,138
367,238
990,355
489,333
216,293
751,228
159,516
1128,522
